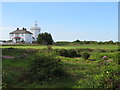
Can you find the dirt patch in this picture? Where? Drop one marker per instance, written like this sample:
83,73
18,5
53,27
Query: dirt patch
8,56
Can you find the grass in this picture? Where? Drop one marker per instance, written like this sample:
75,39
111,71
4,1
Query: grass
66,47
81,73
77,70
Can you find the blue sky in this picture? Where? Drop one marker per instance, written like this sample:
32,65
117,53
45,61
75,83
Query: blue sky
66,21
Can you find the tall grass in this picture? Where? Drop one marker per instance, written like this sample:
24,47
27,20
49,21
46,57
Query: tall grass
80,73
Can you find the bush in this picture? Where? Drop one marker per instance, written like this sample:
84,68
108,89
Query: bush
45,66
85,55
62,52
108,78
72,53
68,53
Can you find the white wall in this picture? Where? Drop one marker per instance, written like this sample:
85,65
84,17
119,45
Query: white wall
26,37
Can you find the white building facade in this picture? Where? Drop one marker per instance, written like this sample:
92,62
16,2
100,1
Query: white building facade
22,35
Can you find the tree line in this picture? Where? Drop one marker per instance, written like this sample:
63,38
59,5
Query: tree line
47,39
95,42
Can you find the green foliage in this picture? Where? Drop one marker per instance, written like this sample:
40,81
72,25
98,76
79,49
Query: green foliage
62,52
68,53
44,66
44,69
110,56
45,38
72,53
85,42
7,79
108,78
95,42
85,55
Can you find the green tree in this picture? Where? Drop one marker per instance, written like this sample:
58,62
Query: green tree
110,42
45,38
77,40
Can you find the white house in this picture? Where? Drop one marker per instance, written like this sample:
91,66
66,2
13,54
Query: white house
21,35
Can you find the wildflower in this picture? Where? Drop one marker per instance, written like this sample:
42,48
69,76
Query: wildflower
107,72
109,61
104,57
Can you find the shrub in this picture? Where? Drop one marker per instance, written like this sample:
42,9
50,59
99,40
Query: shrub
108,78
85,55
45,66
10,48
62,52
68,53
72,53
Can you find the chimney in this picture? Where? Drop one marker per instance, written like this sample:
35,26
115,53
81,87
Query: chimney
24,28
17,28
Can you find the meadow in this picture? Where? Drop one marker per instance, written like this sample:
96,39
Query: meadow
63,46
93,72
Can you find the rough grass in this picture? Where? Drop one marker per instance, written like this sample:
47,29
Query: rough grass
66,47
81,73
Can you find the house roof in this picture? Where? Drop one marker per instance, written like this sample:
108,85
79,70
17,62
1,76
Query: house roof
20,31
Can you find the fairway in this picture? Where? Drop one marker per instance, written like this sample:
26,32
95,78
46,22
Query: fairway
65,47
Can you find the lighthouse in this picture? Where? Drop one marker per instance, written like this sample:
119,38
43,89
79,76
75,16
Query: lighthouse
35,30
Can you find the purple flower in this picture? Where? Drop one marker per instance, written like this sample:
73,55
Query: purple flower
109,61
104,57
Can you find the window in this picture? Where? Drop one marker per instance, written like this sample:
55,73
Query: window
16,35
22,35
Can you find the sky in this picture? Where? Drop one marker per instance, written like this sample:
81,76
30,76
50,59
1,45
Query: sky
66,21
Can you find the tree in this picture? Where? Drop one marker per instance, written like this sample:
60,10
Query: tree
110,42
45,38
77,40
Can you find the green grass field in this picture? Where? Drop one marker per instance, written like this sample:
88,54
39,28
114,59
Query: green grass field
81,73
67,47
